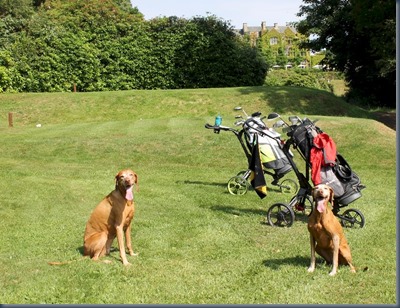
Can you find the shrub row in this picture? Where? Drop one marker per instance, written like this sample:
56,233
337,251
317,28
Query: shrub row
98,48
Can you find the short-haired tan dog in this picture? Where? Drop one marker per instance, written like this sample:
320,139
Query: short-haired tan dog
326,233
112,218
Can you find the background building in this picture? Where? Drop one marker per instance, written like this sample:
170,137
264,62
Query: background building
279,44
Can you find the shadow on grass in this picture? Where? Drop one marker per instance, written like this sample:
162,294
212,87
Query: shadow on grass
275,264
301,100
202,183
114,254
301,217
249,188
235,211
80,250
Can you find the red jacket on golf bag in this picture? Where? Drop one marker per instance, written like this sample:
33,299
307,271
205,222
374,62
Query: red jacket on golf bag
323,153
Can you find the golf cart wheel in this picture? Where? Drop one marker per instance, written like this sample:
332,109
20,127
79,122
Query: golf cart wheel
352,218
304,207
289,186
280,215
237,185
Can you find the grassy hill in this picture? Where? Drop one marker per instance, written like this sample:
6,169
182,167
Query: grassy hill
196,242
69,108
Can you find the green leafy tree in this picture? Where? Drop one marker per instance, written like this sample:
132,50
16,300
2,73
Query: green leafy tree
81,43
204,52
102,45
360,38
14,18
16,8
220,58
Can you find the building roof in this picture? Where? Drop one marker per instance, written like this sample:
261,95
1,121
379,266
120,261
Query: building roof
263,27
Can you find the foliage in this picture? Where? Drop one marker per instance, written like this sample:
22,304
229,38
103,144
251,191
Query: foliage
102,45
286,48
360,34
197,244
317,58
202,52
224,59
309,78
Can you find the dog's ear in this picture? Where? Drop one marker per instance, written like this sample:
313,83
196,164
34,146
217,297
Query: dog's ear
312,192
116,180
331,195
136,181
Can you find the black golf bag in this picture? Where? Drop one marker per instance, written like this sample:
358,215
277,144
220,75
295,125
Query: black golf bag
334,169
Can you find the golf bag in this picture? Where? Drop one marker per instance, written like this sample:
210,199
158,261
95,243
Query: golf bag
327,165
270,145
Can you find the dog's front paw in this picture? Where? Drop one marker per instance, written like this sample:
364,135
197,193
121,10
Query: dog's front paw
311,269
133,254
126,263
333,273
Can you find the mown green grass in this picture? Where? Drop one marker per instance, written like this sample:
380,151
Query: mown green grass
196,242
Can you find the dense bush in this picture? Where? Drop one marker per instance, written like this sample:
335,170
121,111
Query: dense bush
106,45
204,52
302,78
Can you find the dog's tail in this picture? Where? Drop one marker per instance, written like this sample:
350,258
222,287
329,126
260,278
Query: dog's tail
59,263
66,262
80,259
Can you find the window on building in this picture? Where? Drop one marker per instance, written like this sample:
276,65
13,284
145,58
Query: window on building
273,41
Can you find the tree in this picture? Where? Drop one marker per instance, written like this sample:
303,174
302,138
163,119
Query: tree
204,52
360,37
226,60
101,45
16,8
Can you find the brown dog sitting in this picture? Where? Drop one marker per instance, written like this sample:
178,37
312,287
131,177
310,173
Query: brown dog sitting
326,233
112,218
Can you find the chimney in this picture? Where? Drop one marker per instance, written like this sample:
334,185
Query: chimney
263,26
245,30
276,25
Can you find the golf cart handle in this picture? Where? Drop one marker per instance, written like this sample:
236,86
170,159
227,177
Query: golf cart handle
217,129
209,126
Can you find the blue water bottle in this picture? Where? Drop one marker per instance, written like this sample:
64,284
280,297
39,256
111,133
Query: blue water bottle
217,124
218,120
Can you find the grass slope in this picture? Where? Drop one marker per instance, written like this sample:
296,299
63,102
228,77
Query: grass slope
197,243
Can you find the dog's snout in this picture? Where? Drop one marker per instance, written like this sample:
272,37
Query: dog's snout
128,180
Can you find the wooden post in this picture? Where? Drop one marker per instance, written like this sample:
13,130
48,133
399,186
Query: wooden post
74,87
10,119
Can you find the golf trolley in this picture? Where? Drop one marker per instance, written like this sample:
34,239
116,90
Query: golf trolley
345,183
271,152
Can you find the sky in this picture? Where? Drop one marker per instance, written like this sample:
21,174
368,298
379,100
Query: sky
237,12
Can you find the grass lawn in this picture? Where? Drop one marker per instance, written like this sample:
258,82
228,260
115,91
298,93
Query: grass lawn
197,243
